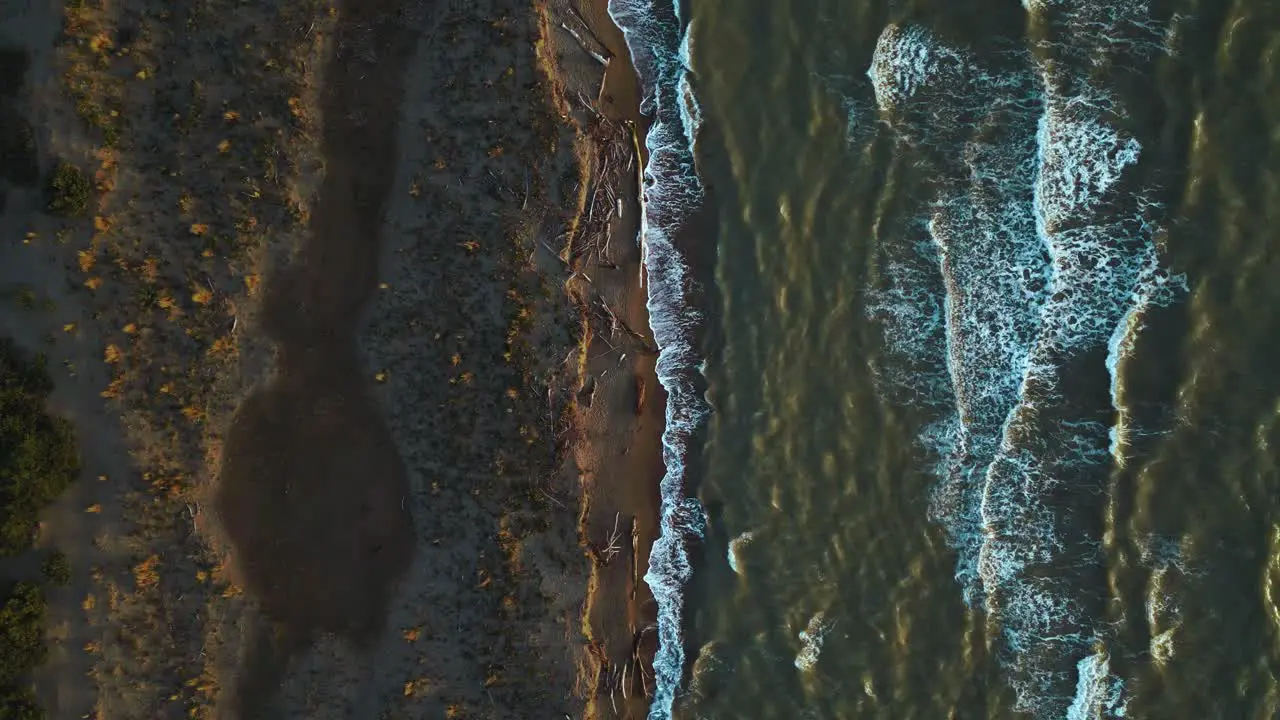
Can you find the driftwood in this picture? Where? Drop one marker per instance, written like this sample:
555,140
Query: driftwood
613,548
616,322
583,44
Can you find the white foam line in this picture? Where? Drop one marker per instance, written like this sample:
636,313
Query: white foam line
660,51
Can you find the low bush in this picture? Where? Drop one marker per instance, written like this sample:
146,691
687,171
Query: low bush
22,624
38,456
56,568
69,191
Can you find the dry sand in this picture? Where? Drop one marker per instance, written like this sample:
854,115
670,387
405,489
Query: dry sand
620,403
354,340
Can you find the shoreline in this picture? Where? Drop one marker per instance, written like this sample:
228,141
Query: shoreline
619,404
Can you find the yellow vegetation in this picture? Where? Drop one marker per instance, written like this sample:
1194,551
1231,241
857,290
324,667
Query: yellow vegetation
114,389
150,270
145,573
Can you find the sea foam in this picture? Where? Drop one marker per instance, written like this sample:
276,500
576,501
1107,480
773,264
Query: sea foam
1036,255
658,42
811,640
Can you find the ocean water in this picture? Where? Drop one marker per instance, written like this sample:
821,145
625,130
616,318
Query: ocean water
973,412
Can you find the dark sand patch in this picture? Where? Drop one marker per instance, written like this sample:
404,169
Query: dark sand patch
312,491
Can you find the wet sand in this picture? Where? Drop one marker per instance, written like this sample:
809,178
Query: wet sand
620,405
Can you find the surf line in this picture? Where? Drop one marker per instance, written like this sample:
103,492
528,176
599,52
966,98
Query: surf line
1076,264
657,39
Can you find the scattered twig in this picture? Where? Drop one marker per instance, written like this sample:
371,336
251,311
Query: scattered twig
552,498
587,104
583,43
611,551
554,254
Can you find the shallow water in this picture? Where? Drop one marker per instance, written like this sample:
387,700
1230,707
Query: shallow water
990,355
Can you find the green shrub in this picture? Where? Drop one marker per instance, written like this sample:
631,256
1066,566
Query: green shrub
69,191
38,456
19,703
56,568
22,626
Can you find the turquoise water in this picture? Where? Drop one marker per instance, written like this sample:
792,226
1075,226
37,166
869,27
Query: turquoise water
988,347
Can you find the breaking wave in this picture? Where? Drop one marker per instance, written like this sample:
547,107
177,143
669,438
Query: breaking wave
1024,285
736,548
658,41
811,641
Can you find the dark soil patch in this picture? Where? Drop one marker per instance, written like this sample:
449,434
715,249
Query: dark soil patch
13,71
19,161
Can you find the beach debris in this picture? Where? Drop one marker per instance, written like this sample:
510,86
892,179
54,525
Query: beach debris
551,497
589,106
583,43
616,323
614,547
636,546
602,57
554,254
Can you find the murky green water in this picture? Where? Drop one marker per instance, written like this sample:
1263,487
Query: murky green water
818,465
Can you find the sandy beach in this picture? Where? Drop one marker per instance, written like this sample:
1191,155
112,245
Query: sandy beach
351,330
619,409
